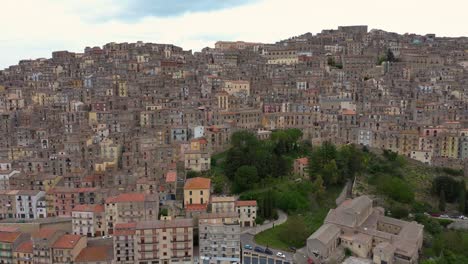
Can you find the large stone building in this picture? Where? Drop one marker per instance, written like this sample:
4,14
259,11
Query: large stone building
365,230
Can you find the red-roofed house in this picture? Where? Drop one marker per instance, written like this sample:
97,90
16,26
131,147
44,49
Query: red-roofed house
171,181
24,253
43,239
196,195
300,166
247,211
130,207
67,247
197,191
101,254
8,242
88,220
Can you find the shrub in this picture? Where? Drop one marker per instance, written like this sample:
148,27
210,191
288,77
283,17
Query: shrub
396,189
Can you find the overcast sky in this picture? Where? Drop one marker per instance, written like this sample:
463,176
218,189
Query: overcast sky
34,28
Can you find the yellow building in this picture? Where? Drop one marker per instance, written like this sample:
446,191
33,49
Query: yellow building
23,254
67,247
122,89
236,87
449,148
197,191
92,118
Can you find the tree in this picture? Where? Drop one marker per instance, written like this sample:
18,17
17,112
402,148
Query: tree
462,198
442,201
331,173
245,177
318,186
320,157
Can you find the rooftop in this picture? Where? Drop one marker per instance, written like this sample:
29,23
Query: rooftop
197,183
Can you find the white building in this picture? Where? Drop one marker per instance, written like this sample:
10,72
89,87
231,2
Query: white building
422,156
41,208
247,211
26,203
5,176
365,137
88,220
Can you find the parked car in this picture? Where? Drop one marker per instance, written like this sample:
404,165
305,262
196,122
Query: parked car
435,215
268,251
444,216
281,255
249,247
462,217
259,249
293,249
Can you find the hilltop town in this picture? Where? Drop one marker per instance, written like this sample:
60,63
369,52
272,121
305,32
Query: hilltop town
104,151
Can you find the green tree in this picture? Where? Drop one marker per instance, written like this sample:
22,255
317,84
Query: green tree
331,173
245,178
320,157
318,186
442,201
462,199
395,188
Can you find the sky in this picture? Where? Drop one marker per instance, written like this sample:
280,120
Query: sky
32,29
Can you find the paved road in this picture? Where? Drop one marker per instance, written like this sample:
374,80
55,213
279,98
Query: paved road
248,239
247,235
282,217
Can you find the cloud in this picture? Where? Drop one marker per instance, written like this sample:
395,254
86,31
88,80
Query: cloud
135,10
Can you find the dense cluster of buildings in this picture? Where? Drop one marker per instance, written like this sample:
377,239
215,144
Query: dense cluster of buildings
105,137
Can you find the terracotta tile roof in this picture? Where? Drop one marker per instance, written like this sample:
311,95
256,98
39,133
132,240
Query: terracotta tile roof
25,247
197,183
9,237
196,207
67,241
44,233
246,203
124,229
171,176
96,208
348,112
8,229
200,140
126,197
95,253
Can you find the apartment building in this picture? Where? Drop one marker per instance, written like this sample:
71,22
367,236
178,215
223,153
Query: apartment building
164,241
9,241
219,235
89,220
130,207
67,248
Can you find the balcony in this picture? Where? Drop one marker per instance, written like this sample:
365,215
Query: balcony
180,249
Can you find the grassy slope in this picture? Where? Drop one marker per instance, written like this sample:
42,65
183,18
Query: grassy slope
313,219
